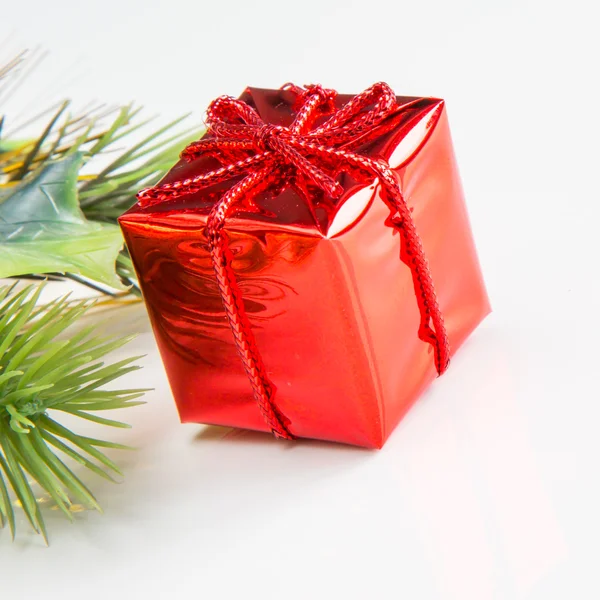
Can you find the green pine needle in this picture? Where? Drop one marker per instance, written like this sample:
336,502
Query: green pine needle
45,372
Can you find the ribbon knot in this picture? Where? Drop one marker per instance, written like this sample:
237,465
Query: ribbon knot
264,134
262,153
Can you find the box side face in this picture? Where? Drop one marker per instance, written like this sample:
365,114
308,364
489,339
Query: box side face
295,297
432,183
402,364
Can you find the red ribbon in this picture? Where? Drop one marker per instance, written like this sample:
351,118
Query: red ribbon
264,153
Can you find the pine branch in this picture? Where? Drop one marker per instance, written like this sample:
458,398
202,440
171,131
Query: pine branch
43,373
95,132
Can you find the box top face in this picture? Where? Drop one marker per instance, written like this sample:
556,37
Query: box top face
292,202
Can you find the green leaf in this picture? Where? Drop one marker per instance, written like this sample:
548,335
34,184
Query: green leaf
126,156
63,473
121,120
12,145
17,479
43,230
6,509
76,456
40,141
14,315
44,476
86,444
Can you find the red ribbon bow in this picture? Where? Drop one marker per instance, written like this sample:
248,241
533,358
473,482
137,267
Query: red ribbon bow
263,153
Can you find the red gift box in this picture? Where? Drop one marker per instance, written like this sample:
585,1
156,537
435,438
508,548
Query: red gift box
323,275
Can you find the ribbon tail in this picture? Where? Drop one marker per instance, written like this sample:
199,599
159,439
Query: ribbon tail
413,255
262,387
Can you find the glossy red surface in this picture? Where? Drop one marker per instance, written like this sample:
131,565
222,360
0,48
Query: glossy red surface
332,305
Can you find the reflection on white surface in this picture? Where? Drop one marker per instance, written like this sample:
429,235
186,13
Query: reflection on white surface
528,533
476,486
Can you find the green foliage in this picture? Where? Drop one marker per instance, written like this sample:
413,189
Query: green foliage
113,174
107,194
42,228
44,372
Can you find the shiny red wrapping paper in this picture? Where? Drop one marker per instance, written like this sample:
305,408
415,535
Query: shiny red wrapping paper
331,304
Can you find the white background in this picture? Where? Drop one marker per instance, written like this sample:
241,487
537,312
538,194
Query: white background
489,488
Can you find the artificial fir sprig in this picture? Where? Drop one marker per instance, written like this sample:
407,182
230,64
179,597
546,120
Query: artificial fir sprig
45,372
104,187
95,131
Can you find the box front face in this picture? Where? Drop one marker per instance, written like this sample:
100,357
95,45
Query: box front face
296,297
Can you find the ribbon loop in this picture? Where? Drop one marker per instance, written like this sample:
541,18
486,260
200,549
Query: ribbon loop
315,97
248,147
